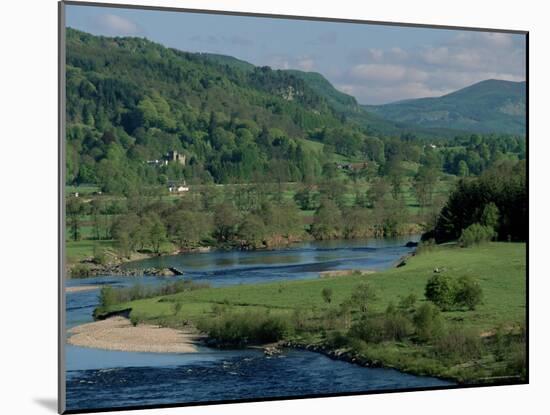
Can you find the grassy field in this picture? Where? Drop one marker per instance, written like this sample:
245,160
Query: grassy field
499,268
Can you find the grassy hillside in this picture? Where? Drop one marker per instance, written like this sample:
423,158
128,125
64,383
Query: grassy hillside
488,106
499,268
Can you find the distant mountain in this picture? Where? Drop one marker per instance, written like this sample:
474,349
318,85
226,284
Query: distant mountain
488,106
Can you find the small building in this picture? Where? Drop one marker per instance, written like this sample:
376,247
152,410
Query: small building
178,187
173,155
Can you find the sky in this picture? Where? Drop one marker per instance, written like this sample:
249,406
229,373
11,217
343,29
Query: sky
376,64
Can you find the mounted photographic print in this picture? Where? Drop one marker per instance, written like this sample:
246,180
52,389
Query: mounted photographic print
260,207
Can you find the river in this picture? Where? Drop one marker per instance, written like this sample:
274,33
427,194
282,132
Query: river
106,379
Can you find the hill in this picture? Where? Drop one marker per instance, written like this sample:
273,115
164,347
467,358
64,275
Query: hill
131,101
346,106
491,106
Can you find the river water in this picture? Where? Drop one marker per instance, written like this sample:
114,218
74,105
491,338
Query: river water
106,379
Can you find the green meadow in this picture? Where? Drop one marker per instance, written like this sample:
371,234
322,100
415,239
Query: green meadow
493,327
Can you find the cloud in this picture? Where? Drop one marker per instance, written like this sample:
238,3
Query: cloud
304,63
114,25
387,74
235,40
327,38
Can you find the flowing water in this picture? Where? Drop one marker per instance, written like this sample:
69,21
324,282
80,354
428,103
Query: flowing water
105,379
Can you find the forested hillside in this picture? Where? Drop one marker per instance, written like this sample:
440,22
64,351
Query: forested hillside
491,106
130,100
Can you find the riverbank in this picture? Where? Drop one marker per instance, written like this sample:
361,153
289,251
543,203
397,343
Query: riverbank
81,288
318,314
118,333
115,265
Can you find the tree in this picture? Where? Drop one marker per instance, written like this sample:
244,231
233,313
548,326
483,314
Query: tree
252,231
490,216
362,295
326,293
469,293
378,190
440,290
356,222
428,322
96,208
396,174
74,209
306,198
463,169
327,221
335,190
226,219
157,233
189,227
476,234
424,184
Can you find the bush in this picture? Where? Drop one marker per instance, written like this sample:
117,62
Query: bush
441,289
326,293
428,322
135,319
408,302
476,234
396,326
362,295
448,293
80,271
370,329
239,329
459,344
337,339
107,297
99,257
425,246
468,293
138,291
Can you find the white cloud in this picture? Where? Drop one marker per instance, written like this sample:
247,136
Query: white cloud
385,75
306,64
114,25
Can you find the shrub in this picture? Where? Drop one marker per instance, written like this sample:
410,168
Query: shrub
337,339
396,326
177,307
425,246
362,295
80,271
476,234
326,293
300,318
135,319
459,344
138,291
408,302
107,296
468,293
99,257
239,329
490,216
440,289
428,322
371,329
517,364
218,309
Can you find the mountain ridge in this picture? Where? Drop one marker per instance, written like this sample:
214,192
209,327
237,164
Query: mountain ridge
488,106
